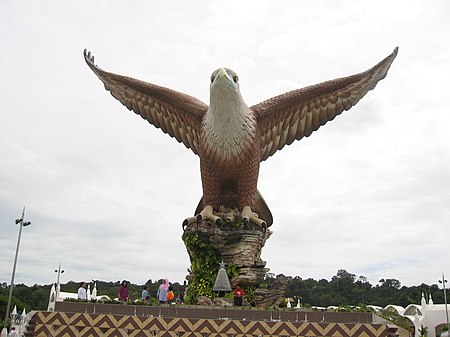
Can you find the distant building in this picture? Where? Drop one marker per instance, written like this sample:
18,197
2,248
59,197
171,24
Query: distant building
426,315
56,295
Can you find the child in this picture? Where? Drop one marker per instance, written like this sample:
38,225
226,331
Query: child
170,294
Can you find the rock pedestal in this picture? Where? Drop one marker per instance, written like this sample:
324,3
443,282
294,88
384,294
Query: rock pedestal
235,243
239,246
232,242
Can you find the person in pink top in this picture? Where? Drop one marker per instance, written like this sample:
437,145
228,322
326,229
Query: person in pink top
162,291
123,292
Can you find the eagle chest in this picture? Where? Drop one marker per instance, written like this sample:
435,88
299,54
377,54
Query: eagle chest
228,145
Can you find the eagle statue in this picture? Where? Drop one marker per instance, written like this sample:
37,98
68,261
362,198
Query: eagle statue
231,138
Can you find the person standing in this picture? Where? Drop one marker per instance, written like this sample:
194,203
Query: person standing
82,294
162,291
170,295
238,293
123,292
179,299
144,295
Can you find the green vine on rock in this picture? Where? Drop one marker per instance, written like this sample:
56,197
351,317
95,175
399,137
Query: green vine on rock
205,260
232,270
232,224
249,295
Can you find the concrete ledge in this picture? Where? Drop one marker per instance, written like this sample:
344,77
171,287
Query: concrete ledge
238,313
79,319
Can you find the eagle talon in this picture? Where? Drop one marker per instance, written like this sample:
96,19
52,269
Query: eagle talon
188,221
249,216
264,226
208,214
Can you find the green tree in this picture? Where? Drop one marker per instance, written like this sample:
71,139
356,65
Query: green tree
14,302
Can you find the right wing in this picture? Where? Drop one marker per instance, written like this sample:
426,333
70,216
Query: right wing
175,113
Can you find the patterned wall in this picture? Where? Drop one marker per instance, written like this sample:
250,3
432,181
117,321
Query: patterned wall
61,324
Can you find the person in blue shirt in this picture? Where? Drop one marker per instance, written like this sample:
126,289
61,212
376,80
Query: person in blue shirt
144,295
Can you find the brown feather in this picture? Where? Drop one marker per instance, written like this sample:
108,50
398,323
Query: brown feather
313,106
156,104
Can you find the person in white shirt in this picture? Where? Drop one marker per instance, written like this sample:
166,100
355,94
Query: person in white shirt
82,294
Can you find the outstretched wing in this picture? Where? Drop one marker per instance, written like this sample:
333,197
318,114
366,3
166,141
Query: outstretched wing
175,113
296,114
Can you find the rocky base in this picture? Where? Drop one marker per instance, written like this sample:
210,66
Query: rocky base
238,244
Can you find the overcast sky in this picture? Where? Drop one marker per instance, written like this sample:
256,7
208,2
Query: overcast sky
106,192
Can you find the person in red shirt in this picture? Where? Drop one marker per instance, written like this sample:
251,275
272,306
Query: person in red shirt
238,293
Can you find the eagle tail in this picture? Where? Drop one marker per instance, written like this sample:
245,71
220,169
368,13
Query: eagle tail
262,209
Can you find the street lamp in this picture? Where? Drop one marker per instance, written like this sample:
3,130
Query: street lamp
59,271
22,223
58,286
445,301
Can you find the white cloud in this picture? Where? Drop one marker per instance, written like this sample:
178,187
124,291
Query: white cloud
107,192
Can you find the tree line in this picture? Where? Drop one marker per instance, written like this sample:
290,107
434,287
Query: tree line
344,289
347,289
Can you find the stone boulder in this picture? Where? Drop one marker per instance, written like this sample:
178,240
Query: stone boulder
203,300
223,302
272,295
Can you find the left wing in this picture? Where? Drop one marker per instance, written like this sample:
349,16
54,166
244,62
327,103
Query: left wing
298,113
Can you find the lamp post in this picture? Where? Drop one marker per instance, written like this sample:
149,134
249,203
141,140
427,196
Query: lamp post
58,287
445,301
22,223
59,271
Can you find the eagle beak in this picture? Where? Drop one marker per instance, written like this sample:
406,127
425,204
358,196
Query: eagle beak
222,73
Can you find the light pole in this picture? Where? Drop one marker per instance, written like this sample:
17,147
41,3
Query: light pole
58,287
445,301
59,271
22,223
